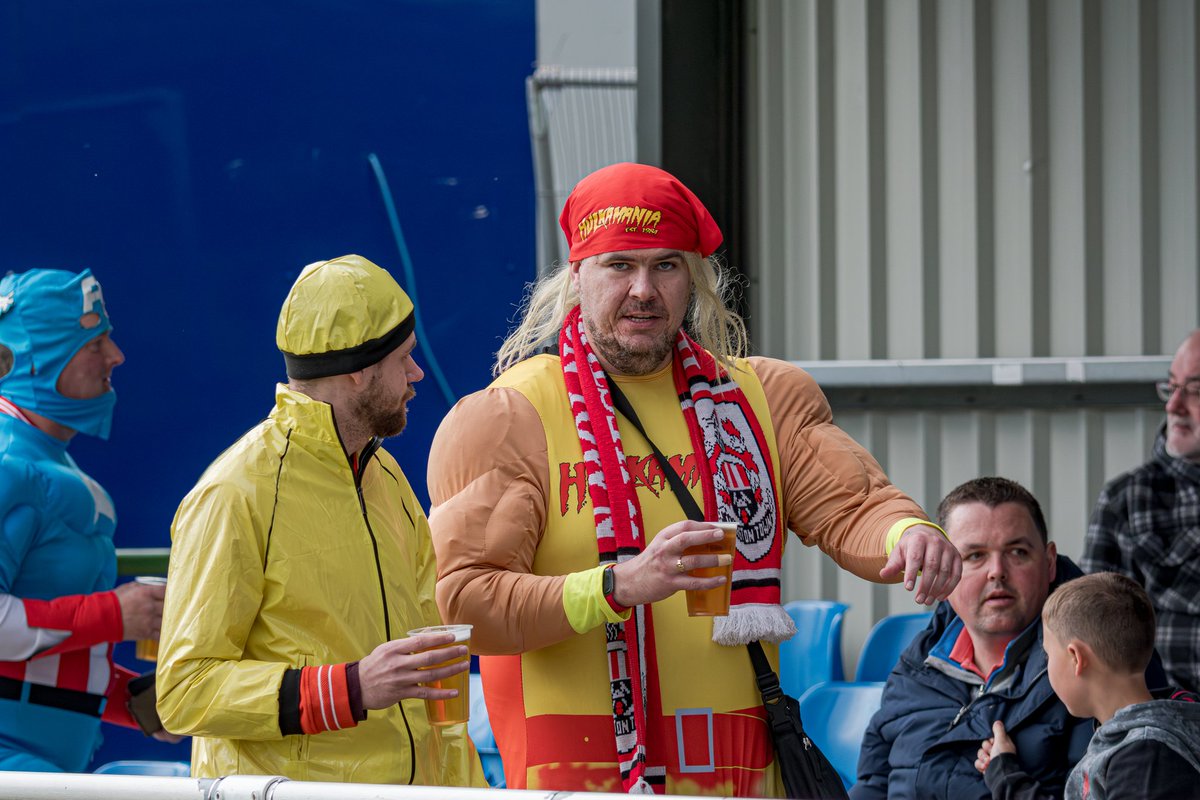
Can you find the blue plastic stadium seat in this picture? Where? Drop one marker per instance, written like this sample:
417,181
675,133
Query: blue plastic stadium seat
886,642
814,654
836,716
480,730
161,769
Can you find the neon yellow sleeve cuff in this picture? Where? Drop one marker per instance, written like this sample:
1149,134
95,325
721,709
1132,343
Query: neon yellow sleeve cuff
897,530
584,603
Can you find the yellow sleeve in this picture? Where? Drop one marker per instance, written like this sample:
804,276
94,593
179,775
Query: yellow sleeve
900,526
584,601
214,589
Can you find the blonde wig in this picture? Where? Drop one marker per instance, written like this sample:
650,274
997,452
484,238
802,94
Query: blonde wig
709,320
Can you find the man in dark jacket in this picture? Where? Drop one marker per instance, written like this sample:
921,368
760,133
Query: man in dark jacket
1146,523
980,660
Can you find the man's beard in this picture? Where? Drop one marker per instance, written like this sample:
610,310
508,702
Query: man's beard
626,360
377,415
1191,444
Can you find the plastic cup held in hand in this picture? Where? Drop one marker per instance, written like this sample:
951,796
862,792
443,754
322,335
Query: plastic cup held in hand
713,602
455,709
147,649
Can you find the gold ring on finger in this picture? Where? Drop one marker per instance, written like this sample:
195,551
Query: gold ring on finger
679,567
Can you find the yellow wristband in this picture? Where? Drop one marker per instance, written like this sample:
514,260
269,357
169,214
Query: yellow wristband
584,603
897,530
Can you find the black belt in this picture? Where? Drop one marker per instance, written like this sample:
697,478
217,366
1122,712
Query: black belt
53,697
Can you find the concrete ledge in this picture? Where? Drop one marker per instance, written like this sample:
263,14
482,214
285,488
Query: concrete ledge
993,383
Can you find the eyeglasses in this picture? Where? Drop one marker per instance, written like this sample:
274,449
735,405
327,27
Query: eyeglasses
1190,389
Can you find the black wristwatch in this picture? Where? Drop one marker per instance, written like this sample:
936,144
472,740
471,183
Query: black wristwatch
608,585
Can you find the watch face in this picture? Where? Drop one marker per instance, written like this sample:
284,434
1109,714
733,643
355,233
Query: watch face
608,584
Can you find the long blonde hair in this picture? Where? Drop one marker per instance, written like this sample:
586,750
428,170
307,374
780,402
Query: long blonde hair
709,320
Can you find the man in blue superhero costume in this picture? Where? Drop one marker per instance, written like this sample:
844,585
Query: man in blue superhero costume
59,613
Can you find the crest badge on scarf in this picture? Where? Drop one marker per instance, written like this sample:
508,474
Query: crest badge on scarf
742,482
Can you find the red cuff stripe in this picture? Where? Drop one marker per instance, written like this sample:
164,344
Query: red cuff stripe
325,699
325,693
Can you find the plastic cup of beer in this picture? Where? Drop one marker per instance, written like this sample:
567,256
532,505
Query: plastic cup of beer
456,709
713,602
147,649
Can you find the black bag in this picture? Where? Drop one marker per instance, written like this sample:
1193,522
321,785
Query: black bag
807,773
141,704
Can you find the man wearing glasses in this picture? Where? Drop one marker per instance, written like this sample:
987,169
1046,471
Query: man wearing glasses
1147,522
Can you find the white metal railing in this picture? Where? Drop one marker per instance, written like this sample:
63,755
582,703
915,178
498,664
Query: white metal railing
71,786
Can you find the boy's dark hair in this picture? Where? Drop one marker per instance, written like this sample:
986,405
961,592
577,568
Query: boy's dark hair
992,492
1108,612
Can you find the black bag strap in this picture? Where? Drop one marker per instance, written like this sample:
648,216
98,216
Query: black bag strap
768,681
622,404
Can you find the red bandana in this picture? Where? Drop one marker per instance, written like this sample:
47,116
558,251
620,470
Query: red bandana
635,207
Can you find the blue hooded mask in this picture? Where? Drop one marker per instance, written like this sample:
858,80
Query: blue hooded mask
46,316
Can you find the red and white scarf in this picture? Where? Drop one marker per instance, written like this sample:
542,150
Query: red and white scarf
738,484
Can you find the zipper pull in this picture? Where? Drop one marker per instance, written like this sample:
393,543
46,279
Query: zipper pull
959,715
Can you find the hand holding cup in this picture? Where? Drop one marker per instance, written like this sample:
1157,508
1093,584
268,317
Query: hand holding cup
141,602
454,655
713,602
400,669
669,563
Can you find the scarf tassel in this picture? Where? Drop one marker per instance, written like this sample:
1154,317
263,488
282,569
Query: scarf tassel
641,787
753,623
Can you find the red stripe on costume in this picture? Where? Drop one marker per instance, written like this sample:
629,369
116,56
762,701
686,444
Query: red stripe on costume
6,407
579,751
325,699
12,669
548,751
568,738
73,670
504,694
90,618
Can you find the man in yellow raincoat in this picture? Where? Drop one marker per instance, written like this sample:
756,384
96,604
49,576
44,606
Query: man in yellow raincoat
301,559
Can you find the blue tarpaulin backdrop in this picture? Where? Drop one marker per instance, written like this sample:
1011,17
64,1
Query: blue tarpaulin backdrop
196,155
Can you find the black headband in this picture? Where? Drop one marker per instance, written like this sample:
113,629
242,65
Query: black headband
352,359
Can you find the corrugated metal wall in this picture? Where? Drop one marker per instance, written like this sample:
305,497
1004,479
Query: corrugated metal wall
971,179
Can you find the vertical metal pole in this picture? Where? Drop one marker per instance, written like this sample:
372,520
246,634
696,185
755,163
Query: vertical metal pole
649,82
543,176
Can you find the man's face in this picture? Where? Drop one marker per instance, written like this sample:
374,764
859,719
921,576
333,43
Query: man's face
633,304
1183,409
1006,569
383,403
89,372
